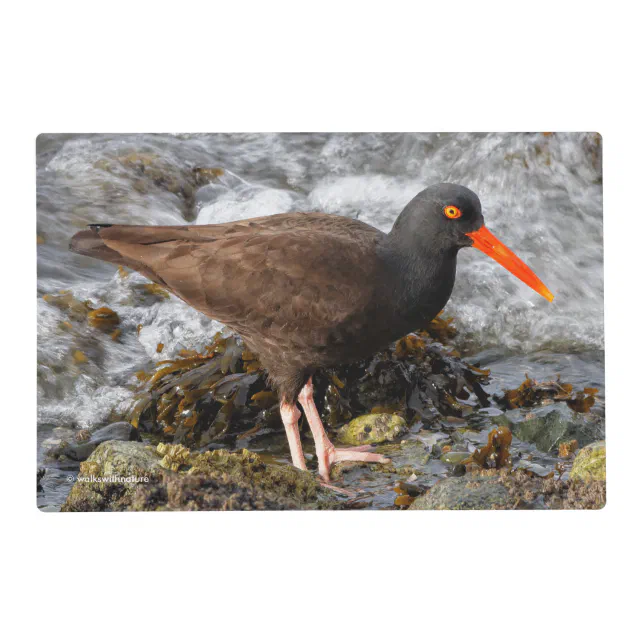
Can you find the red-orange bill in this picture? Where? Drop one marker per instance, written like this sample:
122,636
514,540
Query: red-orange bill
485,241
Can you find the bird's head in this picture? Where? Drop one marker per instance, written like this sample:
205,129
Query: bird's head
449,217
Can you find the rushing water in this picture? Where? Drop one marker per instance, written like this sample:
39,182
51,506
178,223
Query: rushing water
541,195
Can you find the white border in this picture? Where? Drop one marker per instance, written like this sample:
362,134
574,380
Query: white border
128,66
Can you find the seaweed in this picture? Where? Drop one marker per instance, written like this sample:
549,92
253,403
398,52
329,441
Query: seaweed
104,319
566,450
531,393
420,379
222,392
496,454
199,397
441,329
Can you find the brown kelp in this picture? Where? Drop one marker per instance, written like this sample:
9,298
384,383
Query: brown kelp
531,393
222,391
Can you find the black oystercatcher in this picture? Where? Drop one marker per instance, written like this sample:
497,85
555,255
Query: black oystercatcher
312,290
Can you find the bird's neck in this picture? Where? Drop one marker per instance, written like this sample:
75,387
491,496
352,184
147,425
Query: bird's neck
421,279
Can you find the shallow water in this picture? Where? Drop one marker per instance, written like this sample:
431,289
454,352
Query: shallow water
541,195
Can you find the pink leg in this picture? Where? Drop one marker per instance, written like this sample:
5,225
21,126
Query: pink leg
328,454
290,415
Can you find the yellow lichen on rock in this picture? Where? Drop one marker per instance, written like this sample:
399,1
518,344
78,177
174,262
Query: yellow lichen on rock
372,428
590,463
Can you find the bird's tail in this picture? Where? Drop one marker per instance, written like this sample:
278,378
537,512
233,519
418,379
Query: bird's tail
88,242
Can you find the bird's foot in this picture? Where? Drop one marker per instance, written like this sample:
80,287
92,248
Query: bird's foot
338,490
332,454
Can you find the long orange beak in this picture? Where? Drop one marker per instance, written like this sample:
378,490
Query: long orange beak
484,240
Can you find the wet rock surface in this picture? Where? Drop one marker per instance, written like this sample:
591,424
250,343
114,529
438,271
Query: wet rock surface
465,493
548,429
78,446
509,491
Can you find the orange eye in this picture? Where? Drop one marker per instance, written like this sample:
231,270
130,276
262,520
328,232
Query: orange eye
452,212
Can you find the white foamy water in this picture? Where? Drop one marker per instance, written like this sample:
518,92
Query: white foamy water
541,196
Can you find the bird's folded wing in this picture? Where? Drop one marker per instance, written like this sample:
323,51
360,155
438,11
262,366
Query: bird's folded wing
263,273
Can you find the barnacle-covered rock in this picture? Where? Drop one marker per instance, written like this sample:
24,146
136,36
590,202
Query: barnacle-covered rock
100,484
505,490
467,492
372,428
133,476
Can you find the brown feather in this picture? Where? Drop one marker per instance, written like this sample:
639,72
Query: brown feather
295,286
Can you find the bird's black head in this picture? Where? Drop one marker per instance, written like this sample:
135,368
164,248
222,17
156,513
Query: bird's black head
440,217
446,217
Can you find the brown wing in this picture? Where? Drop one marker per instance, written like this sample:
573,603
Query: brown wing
287,282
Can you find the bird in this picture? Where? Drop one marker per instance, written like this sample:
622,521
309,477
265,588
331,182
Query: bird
311,290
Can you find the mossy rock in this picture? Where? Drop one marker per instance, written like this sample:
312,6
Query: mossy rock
548,431
372,428
517,489
590,463
174,478
465,493
111,459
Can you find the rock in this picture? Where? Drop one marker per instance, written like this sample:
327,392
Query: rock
455,458
372,428
40,474
171,477
440,445
535,468
590,463
467,492
81,447
549,429
511,490
54,444
109,461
